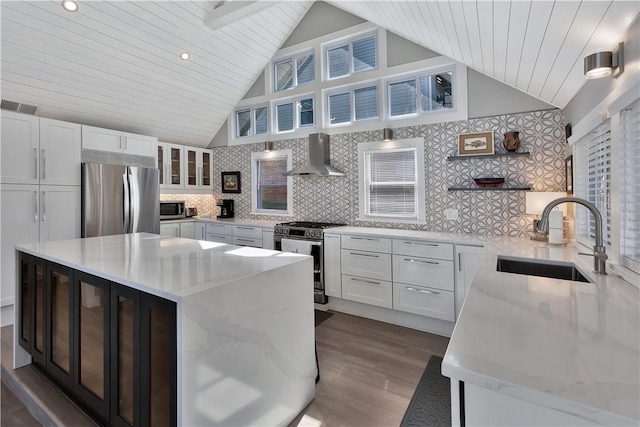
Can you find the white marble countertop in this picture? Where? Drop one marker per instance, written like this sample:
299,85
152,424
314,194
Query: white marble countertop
464,239
169,267
262,223
567,345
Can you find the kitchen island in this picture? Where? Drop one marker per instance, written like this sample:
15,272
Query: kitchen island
244,321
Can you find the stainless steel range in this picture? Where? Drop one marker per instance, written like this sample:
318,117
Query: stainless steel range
305,238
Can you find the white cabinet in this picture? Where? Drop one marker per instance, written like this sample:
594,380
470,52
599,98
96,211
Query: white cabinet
371,244
467,260
198,168
367,291
267,239
425,301
221,233
39,151
94,138
34,213
187,230
170,165
413,270
366,264
200,231
424,249
332,266
172,230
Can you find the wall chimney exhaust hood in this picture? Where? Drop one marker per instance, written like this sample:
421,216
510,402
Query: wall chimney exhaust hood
318,159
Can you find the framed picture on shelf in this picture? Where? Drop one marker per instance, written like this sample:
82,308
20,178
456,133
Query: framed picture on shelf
230,182
472,144
568,167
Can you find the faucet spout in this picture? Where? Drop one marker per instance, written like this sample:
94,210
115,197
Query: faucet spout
599,251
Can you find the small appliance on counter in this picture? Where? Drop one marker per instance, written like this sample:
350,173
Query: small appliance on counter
226,208
172,209
189,212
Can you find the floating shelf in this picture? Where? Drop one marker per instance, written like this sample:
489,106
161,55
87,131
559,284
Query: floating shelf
490,156
519,188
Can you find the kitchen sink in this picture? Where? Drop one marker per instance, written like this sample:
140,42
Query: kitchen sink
555,271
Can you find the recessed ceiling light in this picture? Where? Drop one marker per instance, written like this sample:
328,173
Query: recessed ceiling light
70,5
184,55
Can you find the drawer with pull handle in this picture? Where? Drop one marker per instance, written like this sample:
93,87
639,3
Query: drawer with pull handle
219,238
423,248
247,241
367,291
247,231
434,273
365,243
424,301
366,264
222,229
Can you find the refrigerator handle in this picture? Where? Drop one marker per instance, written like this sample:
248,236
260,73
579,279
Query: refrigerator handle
127,202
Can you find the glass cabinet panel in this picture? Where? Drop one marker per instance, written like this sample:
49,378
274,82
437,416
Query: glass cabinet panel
125,359
192,170
92,339
60,332
39,326
25,302
160,367
176,165
206,168
161,167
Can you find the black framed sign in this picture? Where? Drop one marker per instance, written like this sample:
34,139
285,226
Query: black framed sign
230,182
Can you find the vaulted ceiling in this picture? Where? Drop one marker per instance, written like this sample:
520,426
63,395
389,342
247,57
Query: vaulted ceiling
116,63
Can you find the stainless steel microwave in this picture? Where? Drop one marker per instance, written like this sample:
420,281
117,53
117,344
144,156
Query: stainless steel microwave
172,209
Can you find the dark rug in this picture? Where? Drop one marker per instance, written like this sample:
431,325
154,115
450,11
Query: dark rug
321,316
431,402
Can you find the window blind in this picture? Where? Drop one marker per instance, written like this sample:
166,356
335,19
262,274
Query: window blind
340,108
366,103
364,54
630,188
305,69
402,98
338,60
593,183
261,120
285,117
391,183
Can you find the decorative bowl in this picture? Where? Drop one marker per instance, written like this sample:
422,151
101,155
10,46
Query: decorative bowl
489,182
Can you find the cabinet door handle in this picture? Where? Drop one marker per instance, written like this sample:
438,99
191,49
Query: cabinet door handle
364,238
244,240
125,142
245,228
35,162
35,206
120,142
421,244
421,261
44,207
459,261
331,237
424,291
355,279
367,255
203,232
44,164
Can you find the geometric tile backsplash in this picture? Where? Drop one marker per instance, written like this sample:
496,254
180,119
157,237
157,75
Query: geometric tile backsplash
335,199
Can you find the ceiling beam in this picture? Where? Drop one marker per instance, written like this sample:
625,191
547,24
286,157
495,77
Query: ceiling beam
233,11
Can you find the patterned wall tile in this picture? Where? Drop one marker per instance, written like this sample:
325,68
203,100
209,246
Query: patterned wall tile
335,199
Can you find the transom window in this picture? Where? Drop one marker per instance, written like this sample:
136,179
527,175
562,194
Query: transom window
252,121
352,105
295,114
420,94
294,71
358,54
392,180
271,191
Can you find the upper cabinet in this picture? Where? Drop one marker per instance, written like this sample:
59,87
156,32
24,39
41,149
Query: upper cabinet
118,142
170,165
39,151
198,168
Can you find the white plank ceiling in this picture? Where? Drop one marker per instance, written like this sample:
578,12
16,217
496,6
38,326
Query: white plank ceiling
115,63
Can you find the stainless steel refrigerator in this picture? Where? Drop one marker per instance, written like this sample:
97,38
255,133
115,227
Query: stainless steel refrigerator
119,199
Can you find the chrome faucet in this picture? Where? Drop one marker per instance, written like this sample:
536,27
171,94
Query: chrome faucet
599,253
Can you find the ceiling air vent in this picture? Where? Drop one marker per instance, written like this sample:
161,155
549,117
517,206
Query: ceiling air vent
20,108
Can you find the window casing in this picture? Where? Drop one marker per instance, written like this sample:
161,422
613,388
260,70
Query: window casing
294,114
294,71
420,94
271,191
630,187
392,180
354,104
252,121
352,56
592,182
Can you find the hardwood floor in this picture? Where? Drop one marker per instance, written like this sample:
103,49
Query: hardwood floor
12,412
368,371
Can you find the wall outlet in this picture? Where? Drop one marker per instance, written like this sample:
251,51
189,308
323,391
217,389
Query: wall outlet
451,214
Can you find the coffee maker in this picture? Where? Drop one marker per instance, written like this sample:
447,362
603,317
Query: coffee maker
226,208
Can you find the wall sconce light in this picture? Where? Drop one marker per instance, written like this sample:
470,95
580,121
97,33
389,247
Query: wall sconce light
535,202
602,64
268,146
388,134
